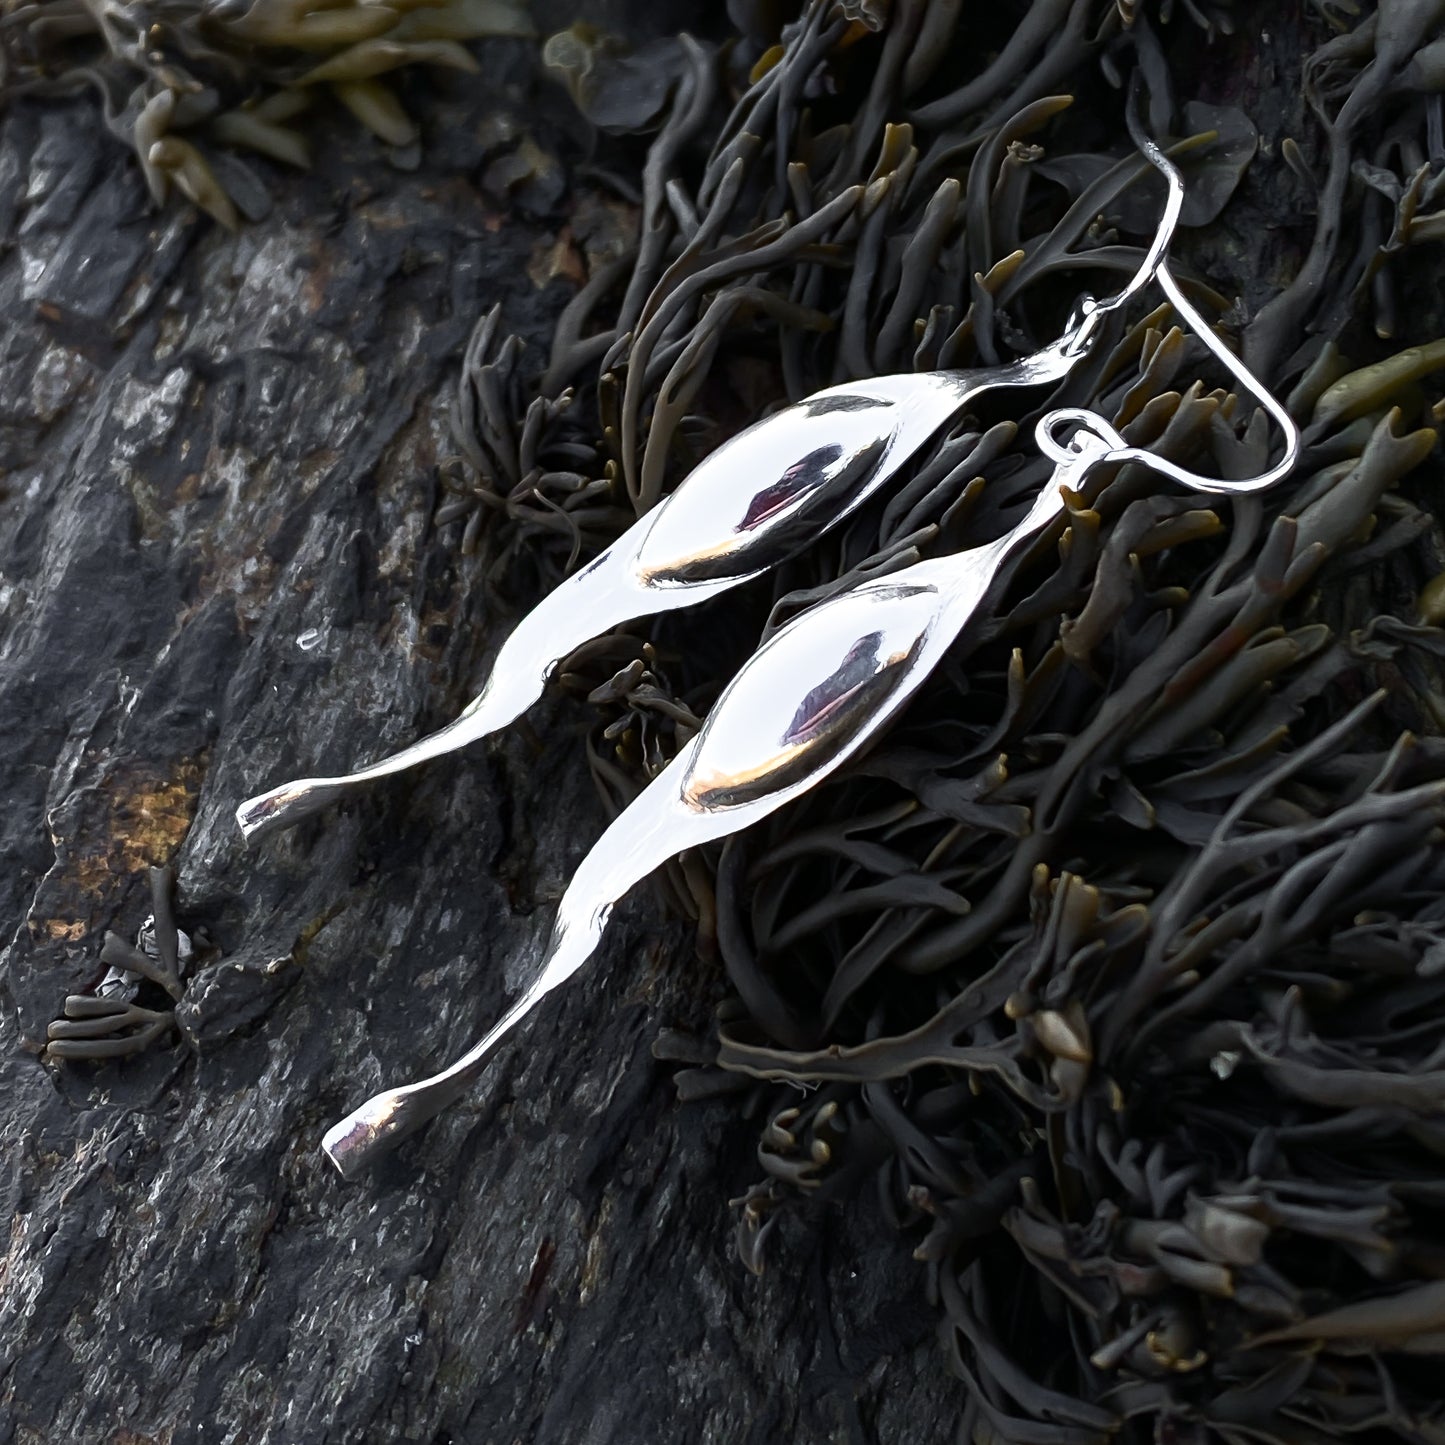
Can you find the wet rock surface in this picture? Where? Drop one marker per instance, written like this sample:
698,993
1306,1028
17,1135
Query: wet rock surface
217,570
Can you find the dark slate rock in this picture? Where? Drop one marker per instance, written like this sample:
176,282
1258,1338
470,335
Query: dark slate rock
217,570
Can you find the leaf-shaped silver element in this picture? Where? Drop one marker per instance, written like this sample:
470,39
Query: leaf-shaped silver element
820,459
853,660
755,502
814,695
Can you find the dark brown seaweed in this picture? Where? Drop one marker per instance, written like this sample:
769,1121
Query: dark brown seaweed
1119,966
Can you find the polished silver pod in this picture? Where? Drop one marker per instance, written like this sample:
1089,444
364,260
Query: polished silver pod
821,689
817,460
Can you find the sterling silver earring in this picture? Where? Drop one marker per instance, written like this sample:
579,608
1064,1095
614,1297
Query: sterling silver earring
814,696
818,460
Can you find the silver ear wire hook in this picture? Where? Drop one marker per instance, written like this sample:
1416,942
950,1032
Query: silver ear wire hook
1123,452
1185,309
815,462
812,697
1092,311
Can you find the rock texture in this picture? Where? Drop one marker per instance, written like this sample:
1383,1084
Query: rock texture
218,569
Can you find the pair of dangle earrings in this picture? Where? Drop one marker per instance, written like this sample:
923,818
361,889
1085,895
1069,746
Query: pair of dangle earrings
823,687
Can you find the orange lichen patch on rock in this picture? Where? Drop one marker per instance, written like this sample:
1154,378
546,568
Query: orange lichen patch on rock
150,820
433,631
56,928
132,821
559,257
317,278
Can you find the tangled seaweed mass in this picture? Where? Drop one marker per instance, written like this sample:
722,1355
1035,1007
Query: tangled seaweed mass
1118,969
186,83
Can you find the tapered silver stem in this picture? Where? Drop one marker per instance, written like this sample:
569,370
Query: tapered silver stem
515,682
637,842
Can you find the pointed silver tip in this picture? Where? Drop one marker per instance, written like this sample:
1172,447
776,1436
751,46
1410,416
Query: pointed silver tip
284,806
367,1133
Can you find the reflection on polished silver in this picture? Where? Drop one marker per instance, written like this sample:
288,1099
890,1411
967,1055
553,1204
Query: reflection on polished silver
816,462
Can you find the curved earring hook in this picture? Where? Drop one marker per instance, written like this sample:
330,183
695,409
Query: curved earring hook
1246,378
1122,452
1094,311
